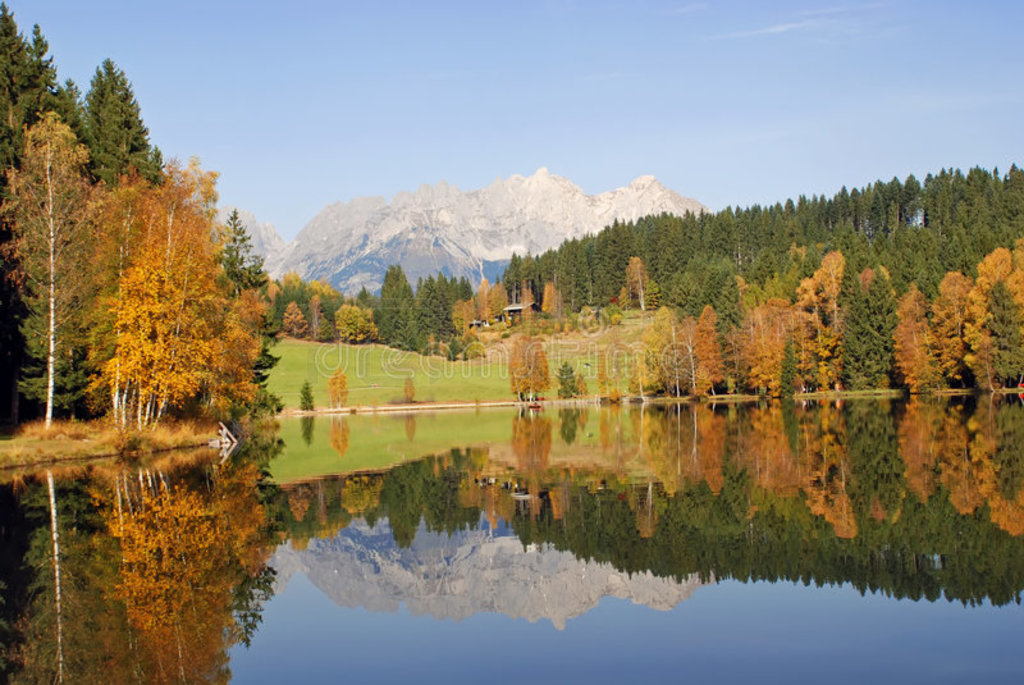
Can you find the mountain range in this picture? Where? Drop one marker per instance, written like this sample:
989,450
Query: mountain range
471,571
441,228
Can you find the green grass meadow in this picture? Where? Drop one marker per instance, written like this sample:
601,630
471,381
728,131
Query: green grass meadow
376,374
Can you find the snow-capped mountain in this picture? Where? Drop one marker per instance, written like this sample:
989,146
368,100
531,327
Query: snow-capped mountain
469,572
472,234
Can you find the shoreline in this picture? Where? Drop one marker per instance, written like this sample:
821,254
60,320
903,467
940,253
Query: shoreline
630,400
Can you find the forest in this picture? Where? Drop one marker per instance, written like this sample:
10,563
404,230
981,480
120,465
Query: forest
119,293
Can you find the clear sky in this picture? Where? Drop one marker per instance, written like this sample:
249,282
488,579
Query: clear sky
300,104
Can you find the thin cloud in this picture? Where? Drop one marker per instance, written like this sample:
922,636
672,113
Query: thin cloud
774,29
840,9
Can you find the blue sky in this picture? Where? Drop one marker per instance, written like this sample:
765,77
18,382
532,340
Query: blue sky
301,104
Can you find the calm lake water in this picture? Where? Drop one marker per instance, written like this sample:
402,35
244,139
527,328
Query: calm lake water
872,540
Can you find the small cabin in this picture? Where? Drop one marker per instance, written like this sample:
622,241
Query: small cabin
514,312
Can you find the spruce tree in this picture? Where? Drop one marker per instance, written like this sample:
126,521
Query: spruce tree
242,266
118,139
868,354
244,271
396,324
566,381
1004,326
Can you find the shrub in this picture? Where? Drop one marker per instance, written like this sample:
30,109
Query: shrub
306,397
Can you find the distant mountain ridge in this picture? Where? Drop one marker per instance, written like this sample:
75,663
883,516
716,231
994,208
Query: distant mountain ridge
472,234
468,572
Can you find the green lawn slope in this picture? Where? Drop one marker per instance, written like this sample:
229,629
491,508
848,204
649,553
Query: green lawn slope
376,374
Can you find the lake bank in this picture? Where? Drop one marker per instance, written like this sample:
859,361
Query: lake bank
32,446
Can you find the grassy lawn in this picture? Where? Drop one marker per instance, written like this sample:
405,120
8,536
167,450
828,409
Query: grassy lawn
376,374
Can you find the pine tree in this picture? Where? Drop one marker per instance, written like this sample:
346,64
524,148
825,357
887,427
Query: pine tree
1004,324
870,309
117,138
566,381
244,271
242,266
306,397
395,323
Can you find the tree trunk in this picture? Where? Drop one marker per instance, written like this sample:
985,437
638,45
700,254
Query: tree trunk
51,353
56,577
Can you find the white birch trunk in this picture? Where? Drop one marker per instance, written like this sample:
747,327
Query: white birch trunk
51,353
56,577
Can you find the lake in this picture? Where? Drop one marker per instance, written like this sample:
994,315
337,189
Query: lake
784,543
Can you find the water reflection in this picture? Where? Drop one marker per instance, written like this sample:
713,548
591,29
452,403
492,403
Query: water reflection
165,567
918,500
161,569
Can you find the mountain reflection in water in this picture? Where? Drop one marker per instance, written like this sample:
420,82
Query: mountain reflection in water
165,568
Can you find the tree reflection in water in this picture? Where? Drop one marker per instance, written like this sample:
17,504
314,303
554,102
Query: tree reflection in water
919,499
163,568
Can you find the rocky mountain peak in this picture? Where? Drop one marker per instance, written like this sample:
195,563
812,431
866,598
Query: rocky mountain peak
463,233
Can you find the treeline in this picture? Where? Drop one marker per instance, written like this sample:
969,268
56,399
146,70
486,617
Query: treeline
119,292
917,232
900,284
433,318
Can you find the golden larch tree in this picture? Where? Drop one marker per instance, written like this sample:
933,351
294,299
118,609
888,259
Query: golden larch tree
948,328
636,281
710,370
912,342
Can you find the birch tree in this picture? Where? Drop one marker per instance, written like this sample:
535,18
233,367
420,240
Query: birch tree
50,209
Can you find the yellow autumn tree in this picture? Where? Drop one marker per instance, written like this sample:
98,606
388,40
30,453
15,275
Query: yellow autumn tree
172,318
337,388
529,374
821,323
980,357
912,342
552,300
948,328
636,282
354,324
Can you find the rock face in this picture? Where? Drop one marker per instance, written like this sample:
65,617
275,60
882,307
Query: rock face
468,573
265,240
472,234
